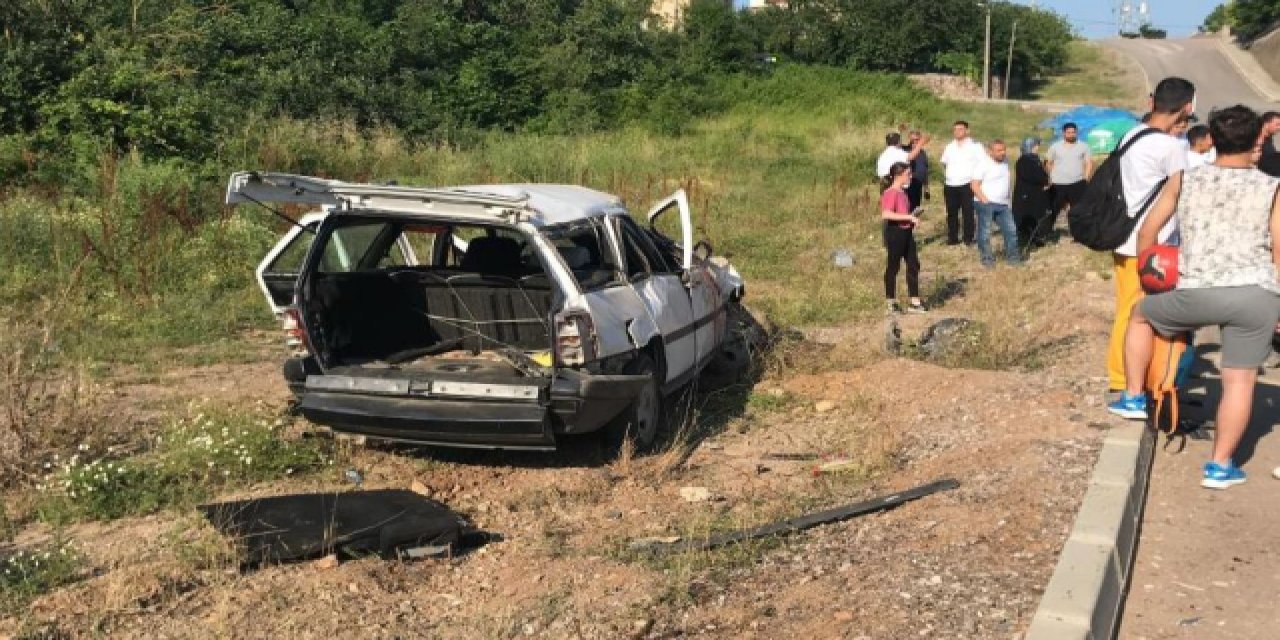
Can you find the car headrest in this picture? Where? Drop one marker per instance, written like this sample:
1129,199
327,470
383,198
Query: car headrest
492,255
576,258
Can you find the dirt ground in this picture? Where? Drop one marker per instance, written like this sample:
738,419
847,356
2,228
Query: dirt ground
968,563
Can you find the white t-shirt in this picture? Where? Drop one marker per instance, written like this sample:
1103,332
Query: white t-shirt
960,159
994,178
1152,159
1197,160
890,156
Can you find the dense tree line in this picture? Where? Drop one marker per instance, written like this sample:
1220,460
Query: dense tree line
1248,19
167,77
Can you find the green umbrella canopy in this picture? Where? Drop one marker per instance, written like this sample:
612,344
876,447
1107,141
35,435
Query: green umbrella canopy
1105,136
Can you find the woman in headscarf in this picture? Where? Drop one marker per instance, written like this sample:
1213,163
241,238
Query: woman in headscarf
1031,196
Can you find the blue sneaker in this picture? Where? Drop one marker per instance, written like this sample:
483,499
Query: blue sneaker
1130,407
1217,476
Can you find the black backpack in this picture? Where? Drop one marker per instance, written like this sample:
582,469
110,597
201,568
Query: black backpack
1100,220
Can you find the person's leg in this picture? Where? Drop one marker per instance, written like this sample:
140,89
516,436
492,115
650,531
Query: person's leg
914,192
1234,410
952,196
984,235
1128,292
1138,340
893,250
913,270
1009,231
966,208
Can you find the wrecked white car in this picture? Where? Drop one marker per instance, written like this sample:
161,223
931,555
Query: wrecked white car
494,316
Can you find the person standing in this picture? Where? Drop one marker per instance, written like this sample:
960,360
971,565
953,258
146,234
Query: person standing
1152,160
1199,147
960,157
1070,165
991,190
919,187
1269,163
894,153
899,238
1228,219
1031,196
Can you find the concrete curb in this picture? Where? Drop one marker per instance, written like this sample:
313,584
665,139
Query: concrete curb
1250,70
1085,596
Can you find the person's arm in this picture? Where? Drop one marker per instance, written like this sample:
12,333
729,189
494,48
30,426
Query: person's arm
1088,165
978,195
1275,229
1048,160
1160,213
917,147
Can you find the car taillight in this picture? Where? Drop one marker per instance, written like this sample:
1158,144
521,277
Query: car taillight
294,335
575,338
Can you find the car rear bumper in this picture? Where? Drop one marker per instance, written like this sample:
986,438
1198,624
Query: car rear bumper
573,403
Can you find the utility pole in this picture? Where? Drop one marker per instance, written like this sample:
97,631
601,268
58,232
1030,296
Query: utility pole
1008,70
986,57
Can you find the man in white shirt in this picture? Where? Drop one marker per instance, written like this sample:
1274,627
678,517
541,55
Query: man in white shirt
991,191
1144,168
959,157
894,153
1200,147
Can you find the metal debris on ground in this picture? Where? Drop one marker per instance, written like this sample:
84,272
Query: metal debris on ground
795,525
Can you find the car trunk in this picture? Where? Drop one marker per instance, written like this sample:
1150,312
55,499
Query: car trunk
405,315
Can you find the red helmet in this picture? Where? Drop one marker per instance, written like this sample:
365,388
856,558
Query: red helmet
1158,268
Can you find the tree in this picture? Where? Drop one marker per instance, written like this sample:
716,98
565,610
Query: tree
1217,19
1253,18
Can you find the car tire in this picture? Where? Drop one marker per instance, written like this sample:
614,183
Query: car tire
644,422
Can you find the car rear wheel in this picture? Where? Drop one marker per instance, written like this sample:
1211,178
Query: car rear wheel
644,422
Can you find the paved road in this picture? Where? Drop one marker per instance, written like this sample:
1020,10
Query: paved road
1208,563
1200,60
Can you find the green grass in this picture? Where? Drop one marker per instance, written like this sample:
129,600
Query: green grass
30,573
194,457
1095,75
149,260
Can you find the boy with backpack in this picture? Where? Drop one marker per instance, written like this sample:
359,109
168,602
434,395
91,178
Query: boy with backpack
1148,157
1227,215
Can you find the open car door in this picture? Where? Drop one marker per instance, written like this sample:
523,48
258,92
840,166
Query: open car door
704,291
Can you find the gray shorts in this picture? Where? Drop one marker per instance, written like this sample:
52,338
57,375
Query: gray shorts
1247,316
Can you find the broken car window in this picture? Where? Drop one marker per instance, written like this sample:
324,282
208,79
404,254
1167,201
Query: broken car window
585,251
349,246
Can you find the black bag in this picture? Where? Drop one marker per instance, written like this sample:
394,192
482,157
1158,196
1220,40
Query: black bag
1100,220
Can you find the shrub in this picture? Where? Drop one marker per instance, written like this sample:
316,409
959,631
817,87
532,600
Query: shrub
194,457
29,573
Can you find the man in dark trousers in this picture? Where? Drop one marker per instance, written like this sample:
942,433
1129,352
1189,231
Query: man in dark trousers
919,168
1070,165
1269,163
960,157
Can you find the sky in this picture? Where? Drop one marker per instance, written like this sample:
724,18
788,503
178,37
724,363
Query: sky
1098,18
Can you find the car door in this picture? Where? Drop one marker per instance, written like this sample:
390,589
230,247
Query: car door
703,290
664,297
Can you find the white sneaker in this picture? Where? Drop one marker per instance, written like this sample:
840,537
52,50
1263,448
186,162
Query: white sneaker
1276,472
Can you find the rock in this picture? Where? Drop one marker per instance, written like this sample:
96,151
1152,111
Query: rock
420,489
328,562
824,406
641,628
844,616
950,338
695,494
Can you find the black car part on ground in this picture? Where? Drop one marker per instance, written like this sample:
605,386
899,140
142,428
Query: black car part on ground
388,523
794,525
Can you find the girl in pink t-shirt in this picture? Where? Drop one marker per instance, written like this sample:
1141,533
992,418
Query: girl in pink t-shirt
899,240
